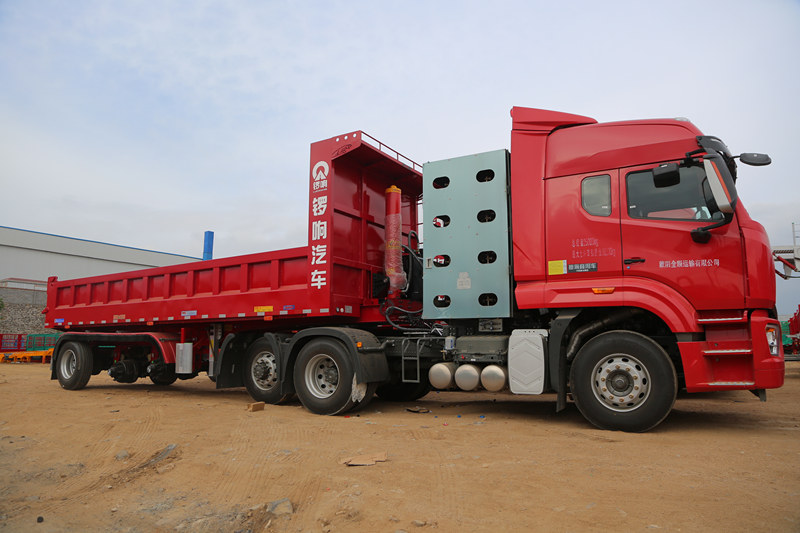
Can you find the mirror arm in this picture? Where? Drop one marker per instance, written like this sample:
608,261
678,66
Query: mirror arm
703,235
690,155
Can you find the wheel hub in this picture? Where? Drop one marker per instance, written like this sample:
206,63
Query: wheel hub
621,382
260,371
330,375
69,363
264,371
322,376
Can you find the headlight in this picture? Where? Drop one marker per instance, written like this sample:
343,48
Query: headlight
773,336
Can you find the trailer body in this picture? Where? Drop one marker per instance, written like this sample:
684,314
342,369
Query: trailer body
613,261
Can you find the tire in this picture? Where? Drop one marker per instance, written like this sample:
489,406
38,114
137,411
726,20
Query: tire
262,373
324,376
163,380
369,395
622,380
403,392
74,365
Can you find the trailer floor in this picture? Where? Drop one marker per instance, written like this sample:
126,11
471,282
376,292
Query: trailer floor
187,457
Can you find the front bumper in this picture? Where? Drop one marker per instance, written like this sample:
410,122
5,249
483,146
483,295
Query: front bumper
734,357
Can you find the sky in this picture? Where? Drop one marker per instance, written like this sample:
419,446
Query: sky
147,123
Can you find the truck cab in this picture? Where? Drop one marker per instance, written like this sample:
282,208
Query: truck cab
639,226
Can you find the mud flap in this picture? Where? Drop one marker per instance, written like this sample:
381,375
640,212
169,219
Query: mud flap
358,391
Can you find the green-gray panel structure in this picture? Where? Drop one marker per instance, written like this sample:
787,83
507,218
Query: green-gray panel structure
467,240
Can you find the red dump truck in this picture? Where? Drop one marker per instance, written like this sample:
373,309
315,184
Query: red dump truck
608,263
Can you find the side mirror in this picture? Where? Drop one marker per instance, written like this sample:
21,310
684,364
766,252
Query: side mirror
701,235
666,175
756,160
715,181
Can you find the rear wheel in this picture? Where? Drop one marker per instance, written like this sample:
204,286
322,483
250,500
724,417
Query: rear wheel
261,377
369,395
325,379
74,365
623,380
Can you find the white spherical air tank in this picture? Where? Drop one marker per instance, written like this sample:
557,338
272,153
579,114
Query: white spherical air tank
468,377
442,375
494,378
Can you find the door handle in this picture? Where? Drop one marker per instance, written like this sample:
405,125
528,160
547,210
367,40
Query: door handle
632,260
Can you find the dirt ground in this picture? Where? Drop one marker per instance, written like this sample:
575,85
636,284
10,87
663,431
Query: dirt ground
187,457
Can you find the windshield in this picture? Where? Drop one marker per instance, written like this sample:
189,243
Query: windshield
689,199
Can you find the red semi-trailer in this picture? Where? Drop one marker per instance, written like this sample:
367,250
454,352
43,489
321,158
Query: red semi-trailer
613,262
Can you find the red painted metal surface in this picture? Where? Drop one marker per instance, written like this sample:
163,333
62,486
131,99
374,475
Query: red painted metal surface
529,136
554,154
587,239
760,293
331,277
674,260
596,147
733,356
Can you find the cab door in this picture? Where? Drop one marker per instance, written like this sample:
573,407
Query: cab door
583,237
656,225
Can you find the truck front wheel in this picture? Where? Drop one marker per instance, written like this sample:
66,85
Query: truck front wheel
324,378
74,365
261,376
623,380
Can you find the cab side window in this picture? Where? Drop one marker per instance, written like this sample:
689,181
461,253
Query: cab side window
596,195
686,200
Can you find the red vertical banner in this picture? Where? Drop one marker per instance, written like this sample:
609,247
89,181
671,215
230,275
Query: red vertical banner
320,230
